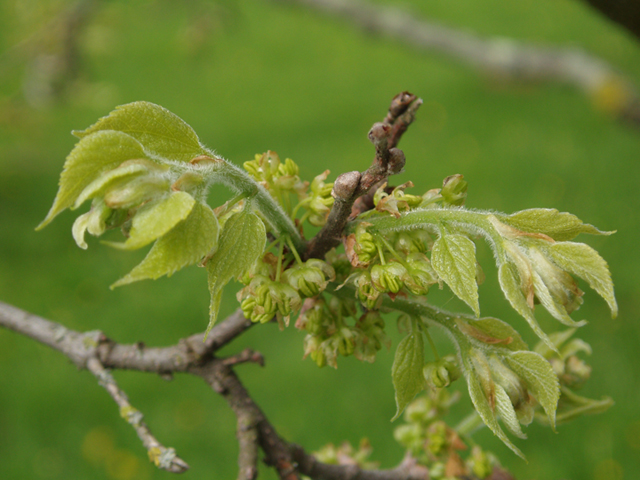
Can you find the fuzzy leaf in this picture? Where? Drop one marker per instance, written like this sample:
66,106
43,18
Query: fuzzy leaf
187,243
584,262
161,133
93,155
555,308
241,243
540,378
483,406
507,413
108,179
156,219
558,225
454,259
493,332
406,372
510,285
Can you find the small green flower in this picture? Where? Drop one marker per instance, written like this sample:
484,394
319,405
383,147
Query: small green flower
389,277
310,278
441,373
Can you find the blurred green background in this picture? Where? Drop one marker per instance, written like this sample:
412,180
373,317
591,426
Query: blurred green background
252,75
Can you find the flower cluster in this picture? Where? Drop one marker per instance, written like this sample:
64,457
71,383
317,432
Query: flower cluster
431,442
282,179
333,330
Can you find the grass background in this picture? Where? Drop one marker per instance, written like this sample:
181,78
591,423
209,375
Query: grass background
252,75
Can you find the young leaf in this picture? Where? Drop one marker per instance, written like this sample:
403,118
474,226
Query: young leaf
553,306
406,371
454,259
187,243
510,285
482,405
558,225
108,179
584,262
161,133
493,332
156,219
507,413
93,155
540,379
241,243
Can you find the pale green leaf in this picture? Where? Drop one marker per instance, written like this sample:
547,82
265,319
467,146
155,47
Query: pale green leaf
156,219
540,378
510,285
108,179
454,259
161,133
241,244
406,372
492,331
553,306
584,262
483,406
187,243
558,225
92,156
507,413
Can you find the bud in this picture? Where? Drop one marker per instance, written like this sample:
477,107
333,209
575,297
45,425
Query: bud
407,243
365,291
388,278
454,190
410,437
436,440
312,317
420,275
310,278
441,373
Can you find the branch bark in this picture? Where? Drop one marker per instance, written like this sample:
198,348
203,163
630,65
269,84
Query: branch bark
94,351
348,187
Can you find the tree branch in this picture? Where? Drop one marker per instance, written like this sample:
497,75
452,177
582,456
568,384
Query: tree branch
92,350
163,457
606,87
348,187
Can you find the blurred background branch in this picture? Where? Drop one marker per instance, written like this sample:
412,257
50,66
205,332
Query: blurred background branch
503,58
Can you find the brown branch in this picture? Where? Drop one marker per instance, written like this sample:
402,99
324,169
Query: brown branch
348,187
607,88
93,351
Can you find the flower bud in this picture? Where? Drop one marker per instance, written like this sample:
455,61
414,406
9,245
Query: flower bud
441,373
410,437
310,278
454,190
388,278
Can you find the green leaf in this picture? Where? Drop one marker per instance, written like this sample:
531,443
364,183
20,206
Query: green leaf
454,259
108,179
92,156
406,372
553,306
161,133
156,219
510,285
540,378
493,332
507,413
187,243
584,262
558,225
482,405
241,244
